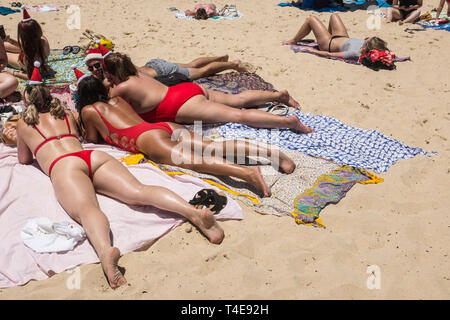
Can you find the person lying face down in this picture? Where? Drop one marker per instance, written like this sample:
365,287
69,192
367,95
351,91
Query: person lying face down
203,11
49,134
113,120
188,102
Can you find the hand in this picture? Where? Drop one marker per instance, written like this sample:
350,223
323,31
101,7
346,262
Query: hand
10,132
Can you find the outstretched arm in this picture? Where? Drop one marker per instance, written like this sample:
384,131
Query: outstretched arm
327,54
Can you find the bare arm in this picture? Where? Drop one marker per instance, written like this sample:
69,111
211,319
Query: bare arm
90,131
327,54
414,7
23,151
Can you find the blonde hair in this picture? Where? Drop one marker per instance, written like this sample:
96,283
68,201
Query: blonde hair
40,100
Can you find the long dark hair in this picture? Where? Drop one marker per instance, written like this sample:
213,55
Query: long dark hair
90,91
29,36
120,66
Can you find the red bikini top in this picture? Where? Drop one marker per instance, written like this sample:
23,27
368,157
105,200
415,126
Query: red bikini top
55,137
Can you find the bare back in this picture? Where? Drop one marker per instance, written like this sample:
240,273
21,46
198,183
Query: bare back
29,140
117,112
143,92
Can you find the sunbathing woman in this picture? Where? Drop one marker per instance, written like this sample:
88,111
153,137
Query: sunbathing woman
203,11
404,11
441,6
188,102
118,124
49,133
335,41
31,46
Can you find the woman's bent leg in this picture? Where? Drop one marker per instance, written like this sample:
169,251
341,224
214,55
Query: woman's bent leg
8,84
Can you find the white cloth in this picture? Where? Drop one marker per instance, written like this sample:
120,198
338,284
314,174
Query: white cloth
43,236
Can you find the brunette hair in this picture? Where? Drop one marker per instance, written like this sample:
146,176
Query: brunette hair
29,36
201,14
120,66
375,43
40,100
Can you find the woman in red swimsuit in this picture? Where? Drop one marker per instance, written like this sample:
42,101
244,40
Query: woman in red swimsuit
48,132
188,102
31,46
118,124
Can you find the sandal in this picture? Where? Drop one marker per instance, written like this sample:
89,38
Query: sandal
16,4
211,199
71,49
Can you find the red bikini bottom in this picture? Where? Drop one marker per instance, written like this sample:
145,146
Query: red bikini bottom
176,96
85,155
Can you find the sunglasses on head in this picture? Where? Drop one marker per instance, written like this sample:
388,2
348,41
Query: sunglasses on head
96,65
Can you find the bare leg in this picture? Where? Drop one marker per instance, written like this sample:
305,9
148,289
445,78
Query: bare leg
336,26
320,32
215,67
393,14
199,108
251,98
412,17
76,194
114,180
8,84
11,48
160,148
203,61
239,149
13,60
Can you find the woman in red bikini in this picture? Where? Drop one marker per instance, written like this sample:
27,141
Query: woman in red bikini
50,134
118,124
188,102
31,46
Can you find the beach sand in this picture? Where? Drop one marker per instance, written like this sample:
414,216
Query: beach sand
402,225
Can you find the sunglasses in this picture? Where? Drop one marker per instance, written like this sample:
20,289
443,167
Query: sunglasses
96,66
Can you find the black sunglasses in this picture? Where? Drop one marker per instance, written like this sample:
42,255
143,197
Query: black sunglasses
96,65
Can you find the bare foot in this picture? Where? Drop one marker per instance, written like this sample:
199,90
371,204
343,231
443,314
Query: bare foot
400,23
288,100
209,227
109,264
239,66
256,179
286,163
286,42
223,58
295,124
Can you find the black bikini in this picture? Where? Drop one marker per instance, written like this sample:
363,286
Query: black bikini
334,37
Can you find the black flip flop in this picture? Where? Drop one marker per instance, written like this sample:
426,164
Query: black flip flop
75,49
208,198
67,50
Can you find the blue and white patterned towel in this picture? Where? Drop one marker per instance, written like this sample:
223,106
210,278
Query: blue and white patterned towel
368,149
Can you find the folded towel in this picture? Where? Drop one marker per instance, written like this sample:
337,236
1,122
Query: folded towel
43,236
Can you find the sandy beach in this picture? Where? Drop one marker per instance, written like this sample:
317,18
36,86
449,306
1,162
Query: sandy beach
401,225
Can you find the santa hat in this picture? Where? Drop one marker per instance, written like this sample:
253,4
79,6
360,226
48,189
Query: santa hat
36,76
80,75
26,16
105,52
93,53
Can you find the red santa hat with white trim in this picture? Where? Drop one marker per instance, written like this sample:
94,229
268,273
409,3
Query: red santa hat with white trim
80,75
26,16
105,52
36,76
93,53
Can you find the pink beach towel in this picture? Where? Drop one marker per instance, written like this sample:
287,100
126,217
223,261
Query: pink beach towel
26,193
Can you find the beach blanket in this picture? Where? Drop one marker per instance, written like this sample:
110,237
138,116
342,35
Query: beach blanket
235,82
303,47
309,5
302,194
62,66
42,8
334,140
434,26
180,14
27,193
4,11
